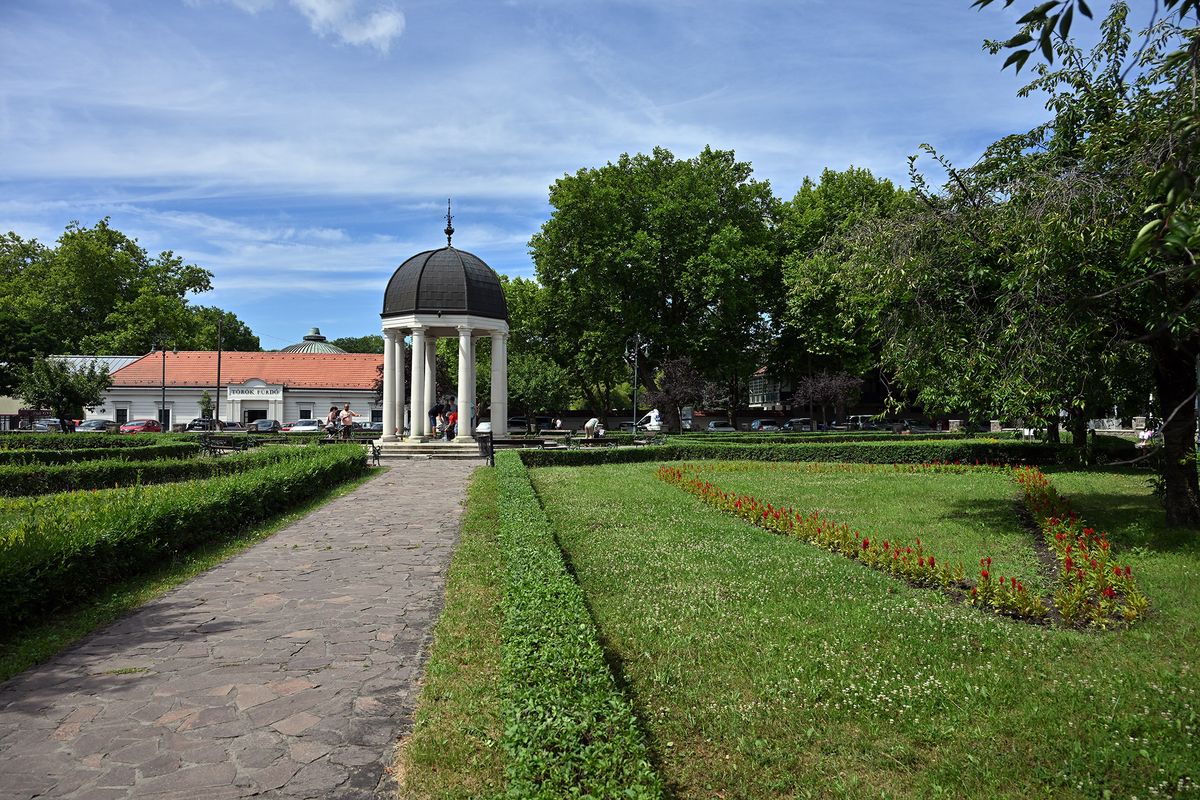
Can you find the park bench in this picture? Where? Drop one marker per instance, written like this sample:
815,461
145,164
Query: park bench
488,445
215,444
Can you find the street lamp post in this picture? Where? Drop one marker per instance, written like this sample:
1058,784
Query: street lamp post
162,410
633,347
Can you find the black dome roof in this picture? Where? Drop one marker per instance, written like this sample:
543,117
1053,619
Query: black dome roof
449,280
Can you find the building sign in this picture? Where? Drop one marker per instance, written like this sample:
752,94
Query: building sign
255,392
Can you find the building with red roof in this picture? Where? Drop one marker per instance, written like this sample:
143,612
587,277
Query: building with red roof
168,385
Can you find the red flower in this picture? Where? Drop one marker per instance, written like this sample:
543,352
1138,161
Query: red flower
1109,592
1126,570
1068,563
885,544
1117,571
983,573
866,543
931,561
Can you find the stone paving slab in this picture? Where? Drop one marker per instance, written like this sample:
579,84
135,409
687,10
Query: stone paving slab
287,672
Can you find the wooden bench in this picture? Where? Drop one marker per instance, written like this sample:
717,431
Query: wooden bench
219,445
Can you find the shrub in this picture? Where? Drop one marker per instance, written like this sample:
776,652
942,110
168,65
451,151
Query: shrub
569,732
59,548
29,479
64,455
80,441
967,451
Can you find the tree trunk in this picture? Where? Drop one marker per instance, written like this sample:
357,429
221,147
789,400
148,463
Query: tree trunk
1052,434
1077,421
1175,380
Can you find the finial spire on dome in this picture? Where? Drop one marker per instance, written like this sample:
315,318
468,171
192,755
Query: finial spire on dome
449,223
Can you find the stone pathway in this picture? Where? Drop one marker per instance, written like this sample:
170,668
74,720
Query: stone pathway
286,672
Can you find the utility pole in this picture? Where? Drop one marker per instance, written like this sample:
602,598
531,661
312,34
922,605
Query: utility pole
217,411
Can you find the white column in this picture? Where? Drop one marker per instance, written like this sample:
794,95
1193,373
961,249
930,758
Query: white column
499,402
398,388
418,383
466,368
389,386
431,398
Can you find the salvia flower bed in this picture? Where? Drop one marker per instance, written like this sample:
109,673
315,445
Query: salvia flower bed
1091,587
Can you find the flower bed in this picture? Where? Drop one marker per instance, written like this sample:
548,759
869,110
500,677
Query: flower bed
1091,587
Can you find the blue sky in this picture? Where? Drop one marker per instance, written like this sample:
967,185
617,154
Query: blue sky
302,149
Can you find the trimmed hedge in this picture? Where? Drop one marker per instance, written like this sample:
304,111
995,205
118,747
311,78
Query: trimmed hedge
568,729
57,549
152,452
80,441
893,451
29,479
596,455
890,452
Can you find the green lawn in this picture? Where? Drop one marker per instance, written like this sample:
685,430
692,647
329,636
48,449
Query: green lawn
764,667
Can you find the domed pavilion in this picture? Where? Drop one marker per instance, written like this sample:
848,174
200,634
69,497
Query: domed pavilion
442,293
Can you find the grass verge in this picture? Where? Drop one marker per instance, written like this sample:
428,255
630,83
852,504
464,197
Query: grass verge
50,634
454,750
765,667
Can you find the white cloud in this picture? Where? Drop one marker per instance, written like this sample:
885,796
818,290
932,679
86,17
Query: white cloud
347,20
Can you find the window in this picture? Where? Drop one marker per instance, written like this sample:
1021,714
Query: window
122,415
306,413
164,418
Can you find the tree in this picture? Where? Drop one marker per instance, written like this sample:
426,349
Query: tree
371,343
98,291
680,384
206,405
823,325
1024,283
679,251
535,383
52,384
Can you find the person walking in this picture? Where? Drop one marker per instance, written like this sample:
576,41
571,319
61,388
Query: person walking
347,420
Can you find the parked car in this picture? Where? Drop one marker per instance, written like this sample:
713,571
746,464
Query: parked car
46,426
202,424
141,426
764,425
303,426
232,426
376,427
861,422
93,426
798,424
720,426
264,426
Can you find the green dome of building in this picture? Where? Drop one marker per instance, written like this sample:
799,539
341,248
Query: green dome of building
313,343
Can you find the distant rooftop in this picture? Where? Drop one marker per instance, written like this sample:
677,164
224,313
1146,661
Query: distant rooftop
313,343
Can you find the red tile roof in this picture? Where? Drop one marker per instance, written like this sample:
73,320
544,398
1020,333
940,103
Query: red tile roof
293,370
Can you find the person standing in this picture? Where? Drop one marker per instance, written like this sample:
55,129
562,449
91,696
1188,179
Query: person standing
347,420
331,420
452,425
589,427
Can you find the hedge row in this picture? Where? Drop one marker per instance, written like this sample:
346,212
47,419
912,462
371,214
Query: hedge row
892,451
150,452
79,441
60,548
747,437
568,730
27,479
